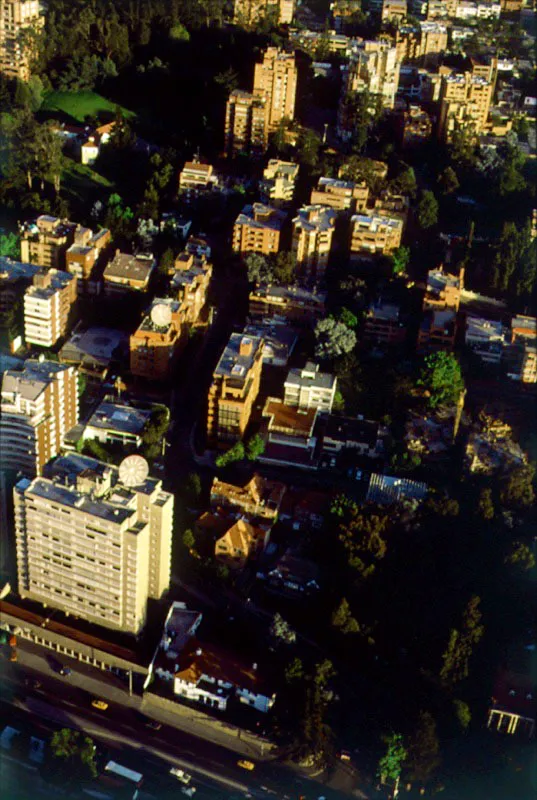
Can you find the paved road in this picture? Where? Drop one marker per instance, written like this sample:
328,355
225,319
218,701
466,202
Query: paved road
66,703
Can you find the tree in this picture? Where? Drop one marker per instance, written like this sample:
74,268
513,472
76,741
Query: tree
73,755
294,671
281,631
463,713
363,539
390,765
10,245
308,146
521,556
361,170
343,620
284,268
456,658
154,431
348,319
229,80
189,540
400,258
235,453
485,504
179,33
255,447
441,379
424,749
333,339
193,487
167,261
448,181
516,488
405,182
258,268
427,210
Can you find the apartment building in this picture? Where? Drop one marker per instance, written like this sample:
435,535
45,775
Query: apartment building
443,289
275,79
251,12
374,235
14,280
294,304
49,304
373,67
313,231
190,285
309,388
464,104
442,9
258,229
383,324
389,204
234,389
84,256
485,337
259,498
94,541
39,405
278,185
427,41
115,423
18,18
196,179
127,272
521,354
416,126
45,240
394,11
340,195
246,128
157,340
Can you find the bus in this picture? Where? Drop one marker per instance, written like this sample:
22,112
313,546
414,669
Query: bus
124,772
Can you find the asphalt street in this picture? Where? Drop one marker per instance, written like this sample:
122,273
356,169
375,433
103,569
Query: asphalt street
64,703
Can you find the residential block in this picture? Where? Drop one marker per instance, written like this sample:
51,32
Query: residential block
275,80
39,405
313,231
18,18
258,229
48,307
92,545
234,389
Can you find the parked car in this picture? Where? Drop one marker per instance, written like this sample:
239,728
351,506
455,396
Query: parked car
181,775
65,671
190,791
100,704
243,763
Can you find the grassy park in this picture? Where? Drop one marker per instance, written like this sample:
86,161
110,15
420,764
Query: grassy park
79,105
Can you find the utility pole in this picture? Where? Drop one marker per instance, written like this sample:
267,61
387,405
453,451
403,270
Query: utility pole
130,683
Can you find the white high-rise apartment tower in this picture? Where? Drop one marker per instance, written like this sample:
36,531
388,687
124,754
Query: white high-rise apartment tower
91,543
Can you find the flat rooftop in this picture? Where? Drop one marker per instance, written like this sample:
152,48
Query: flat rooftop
233,363
98,343
296,421
32,380
129,267
113,416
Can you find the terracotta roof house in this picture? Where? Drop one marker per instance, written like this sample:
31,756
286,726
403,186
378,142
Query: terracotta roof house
239,543
259,497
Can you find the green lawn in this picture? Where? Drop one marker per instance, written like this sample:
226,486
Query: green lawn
79,104
80,180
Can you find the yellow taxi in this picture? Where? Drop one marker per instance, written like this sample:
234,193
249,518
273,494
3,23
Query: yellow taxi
244,764
100,704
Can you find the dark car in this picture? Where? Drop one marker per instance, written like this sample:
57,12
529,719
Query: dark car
65,671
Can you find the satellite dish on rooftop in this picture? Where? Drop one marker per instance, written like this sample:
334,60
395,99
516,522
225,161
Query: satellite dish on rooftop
133,470
161,315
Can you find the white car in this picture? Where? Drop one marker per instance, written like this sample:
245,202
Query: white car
190,791
181,775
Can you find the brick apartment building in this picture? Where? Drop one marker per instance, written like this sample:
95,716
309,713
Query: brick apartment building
39,405
49,304
44,241
258,229
340,195
275,80
313,231
18,17
246,127
374,235
234,389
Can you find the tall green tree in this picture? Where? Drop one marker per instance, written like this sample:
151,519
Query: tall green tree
461,645
424,749
441,379
427,210
391,763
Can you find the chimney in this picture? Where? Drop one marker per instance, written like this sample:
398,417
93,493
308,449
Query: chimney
246,346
